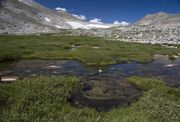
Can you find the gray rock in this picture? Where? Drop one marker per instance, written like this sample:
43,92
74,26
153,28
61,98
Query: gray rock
7,79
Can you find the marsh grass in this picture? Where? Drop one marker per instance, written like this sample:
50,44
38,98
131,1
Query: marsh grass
58,47
9,56
46,99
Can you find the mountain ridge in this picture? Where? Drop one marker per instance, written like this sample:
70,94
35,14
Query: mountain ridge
160,18
28,17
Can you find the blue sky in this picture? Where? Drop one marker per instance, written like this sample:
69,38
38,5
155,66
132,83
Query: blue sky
114,10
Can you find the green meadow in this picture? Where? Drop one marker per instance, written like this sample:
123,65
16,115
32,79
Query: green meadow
89,50
46,99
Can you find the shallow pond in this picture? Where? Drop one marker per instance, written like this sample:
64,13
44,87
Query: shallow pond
101,89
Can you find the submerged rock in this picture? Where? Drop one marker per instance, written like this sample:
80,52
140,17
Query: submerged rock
53,67
104,94
3,73
170,65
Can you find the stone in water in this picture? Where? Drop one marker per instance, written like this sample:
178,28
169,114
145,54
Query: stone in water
52,67
170,65
9,79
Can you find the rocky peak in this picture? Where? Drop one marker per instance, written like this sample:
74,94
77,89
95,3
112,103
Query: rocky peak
27,2
160,19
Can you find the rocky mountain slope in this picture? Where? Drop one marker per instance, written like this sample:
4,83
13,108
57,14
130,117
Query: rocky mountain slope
28,17
161,18
156,28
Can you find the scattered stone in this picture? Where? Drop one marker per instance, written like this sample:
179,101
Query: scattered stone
76,46
53,67
168,46
100,70
170,65
7,79
176,56
55,72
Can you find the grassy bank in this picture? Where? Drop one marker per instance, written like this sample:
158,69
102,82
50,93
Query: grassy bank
46,99
92,51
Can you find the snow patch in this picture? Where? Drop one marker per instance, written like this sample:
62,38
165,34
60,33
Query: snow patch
57,26
60,9
98,26
77,25
47,19
96,20
81,17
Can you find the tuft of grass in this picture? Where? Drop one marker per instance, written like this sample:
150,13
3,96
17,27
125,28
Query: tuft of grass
9,56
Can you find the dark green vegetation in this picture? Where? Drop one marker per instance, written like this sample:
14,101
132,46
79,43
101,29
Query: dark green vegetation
46,99
92,51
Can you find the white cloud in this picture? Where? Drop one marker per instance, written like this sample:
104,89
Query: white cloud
96,20
60,9
123,23
81,17
116,22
